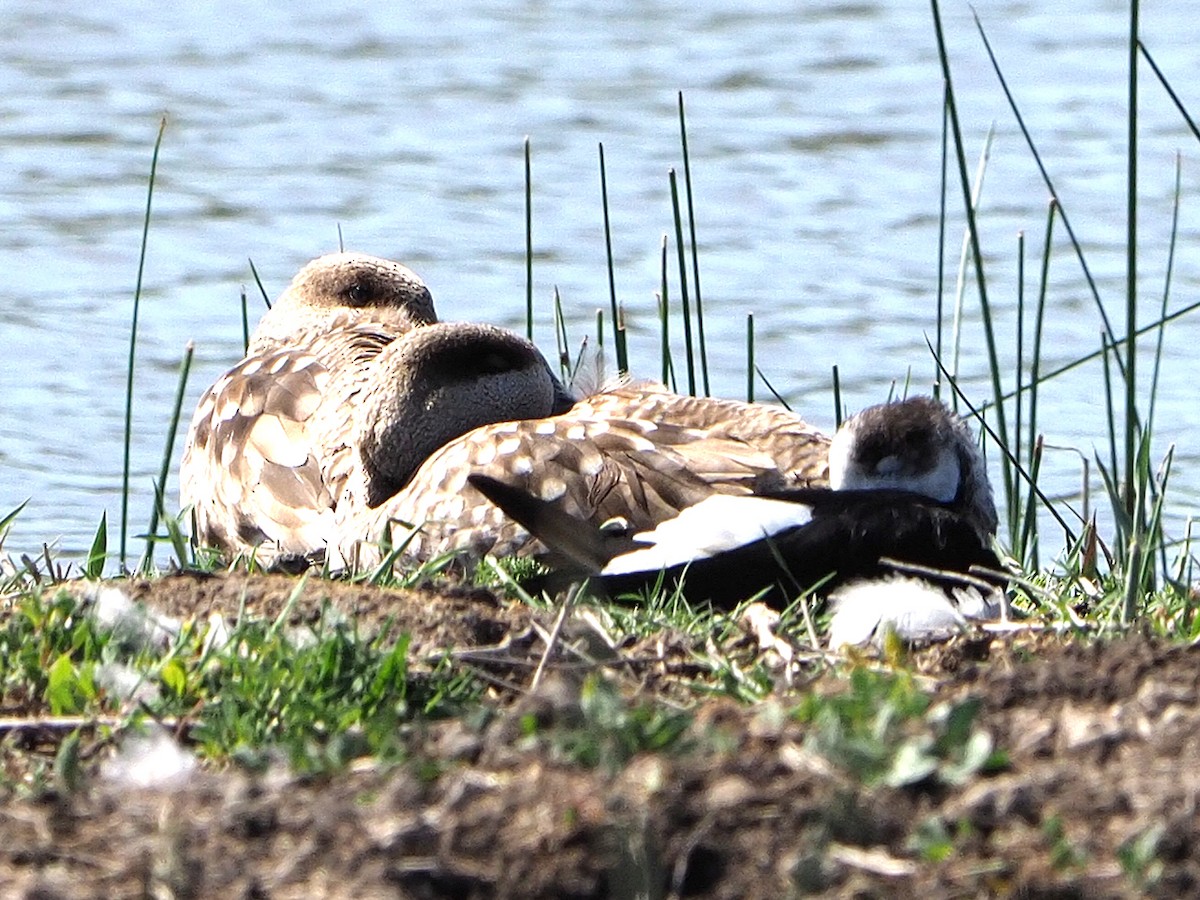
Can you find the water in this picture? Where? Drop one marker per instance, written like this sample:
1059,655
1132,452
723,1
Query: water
815,147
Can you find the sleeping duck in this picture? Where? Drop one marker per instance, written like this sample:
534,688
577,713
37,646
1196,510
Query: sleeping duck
475,400
332,430
906,483
265,455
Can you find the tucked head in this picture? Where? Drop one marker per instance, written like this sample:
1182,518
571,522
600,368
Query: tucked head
359,286
916,445
435,384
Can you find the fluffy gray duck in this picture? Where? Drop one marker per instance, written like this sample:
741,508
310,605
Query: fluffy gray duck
265,458
906,482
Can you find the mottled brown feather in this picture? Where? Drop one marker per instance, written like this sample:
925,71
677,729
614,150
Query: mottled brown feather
266,458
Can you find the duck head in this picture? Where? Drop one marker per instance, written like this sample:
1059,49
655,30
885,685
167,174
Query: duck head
342,289
916,445
439,382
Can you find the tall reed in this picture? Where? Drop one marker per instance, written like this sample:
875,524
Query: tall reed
133,330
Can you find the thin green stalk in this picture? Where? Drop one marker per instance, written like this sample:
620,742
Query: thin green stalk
1096,354
262,290
664,318
1131,277
837,398
1112,421
528,240
164,469
683,288
687,183
1035,364
1015,463
750,357
560,338
137,301
941,246
964,252
770,387
1037,158
1027,546
976,249
1158,349
245,323
1014,512
1162,79
617,320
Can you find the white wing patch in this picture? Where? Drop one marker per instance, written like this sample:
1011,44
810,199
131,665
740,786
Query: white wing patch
714,525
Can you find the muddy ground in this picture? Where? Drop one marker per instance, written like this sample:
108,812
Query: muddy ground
1099,797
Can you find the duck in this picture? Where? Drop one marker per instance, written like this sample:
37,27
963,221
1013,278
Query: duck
633,452
265,458
906,482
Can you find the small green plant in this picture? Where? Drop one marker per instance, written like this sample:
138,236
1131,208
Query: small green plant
321,697
610,730
1139,859
1064,855
882,729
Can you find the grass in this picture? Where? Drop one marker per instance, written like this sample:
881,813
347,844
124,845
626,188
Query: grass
248,691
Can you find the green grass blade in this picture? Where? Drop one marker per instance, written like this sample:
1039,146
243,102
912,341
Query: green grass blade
1026,549
750,357
1162,79
1037,158
977,412
964,252
10,517
683,288
1019,364
94,566
1158,348
1097,354
664,317
560,338
1131,292
941,251
976,249
528,240
620,349
258,281
1035,364
691,209
245,323
770,387
164,469
137,301
838,408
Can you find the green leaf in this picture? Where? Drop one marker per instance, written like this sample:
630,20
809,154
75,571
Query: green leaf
60,686
174,676
94,567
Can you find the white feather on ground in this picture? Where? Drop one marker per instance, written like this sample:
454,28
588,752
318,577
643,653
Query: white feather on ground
913,609
150,760
130,623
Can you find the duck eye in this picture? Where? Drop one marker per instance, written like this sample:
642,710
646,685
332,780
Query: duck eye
356,294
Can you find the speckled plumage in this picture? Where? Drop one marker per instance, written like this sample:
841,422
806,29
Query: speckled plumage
908,483
639,454
357,418
265,459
